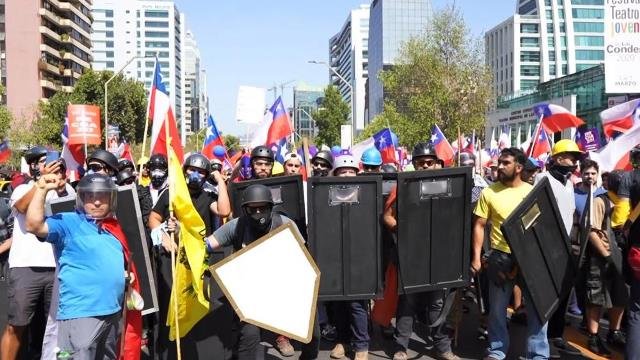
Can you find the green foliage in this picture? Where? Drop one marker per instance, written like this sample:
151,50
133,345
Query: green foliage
232,143
439,78
5,121
333,113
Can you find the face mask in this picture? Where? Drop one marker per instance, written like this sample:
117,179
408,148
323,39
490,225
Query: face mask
320,172
565,170
261,221
195,181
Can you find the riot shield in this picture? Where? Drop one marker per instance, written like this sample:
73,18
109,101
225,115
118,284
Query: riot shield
345,235
286,192
538,241
434,229
130,218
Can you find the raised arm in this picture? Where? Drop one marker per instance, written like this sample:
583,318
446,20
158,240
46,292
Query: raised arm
34,220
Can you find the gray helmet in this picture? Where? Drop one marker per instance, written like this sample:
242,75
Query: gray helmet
198,161
93,184
262,152
346,161
158,161
423,149
125,175
105,157
34,154
324,155
125,164
256,194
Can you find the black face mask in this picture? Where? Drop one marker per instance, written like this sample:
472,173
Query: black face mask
320,172
195,181
260,222
562,172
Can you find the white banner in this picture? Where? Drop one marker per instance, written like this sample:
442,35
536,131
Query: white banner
345,136
622,46
250,104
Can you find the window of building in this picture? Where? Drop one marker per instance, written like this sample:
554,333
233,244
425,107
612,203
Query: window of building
149,63
587,2
589,54
565,69
563,41
580,67
531,56
552,55
156,44
562,27
560,2
589,41
109,44
109,64
550,28
529,70
588,27
547,2
528,84
529,42
563,55
529,28
551,41
588,13
108,23
156,13
109,54
108,13
552,70
156,24
527,7
109,34
156,34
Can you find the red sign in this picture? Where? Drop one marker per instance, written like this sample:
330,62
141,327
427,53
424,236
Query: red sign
84,124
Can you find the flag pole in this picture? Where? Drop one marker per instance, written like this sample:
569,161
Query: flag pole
146,128
173,237
305,154
536,133
459,146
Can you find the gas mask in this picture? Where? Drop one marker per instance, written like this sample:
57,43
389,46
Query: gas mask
195,181
261,222
158,177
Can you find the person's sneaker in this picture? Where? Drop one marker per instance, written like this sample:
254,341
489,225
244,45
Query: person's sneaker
283,345
388,331
400,355
447,356
337,352
564,348
329,333
574,309
616,338
597,346
362,355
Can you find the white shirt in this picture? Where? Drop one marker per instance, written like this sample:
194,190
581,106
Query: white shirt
565,198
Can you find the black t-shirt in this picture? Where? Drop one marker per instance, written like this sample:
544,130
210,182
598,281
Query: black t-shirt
202,201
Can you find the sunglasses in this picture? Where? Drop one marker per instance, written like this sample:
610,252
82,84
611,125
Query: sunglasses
320,165
428,162
257,209
97,167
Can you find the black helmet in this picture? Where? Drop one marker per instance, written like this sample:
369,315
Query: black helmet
105,157
423,149
158,161
256,194
324,155
198,161
124,176
34,154
96,183
465,157
125,164
262,152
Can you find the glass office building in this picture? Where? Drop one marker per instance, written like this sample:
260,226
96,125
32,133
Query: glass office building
306,100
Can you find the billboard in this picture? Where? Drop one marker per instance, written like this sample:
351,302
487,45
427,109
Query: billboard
621,46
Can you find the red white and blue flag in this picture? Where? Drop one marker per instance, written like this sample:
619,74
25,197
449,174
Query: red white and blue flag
161,114
620,118
212,139
5,151
556,118
443,148
73,155
275,126
383,142
541,146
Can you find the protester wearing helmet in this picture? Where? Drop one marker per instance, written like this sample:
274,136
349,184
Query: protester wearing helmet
345,165
424,157
35,158
261,162
91,264
102,162
256,220
292,164
322,163
565,155
371,160
159,173
126,164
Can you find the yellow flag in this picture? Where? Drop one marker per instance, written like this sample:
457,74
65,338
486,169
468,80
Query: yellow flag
191,257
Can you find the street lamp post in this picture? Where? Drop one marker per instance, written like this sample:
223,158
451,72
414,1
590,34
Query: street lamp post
353,115
106,97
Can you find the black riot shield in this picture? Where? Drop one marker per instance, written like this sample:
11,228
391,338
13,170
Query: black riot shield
130,218
434,229
287,195
345,235
538,241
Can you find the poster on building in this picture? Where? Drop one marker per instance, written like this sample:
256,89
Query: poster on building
622,46
84,124
250,105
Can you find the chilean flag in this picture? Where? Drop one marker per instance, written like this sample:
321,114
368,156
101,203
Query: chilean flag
615,155
384,144
160,112
541,146
212,139
5,151
275,126
73,155
556,118
620,117
443,148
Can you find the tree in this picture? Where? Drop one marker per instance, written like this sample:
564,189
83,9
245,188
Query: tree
439,77
232,143
5,117
127,106
333,113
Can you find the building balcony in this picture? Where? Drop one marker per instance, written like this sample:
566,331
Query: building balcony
48,84
49,50
49,15
66,38
67,6
71,56
78,28
47,66
49,33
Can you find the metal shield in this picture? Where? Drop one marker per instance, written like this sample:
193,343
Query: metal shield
539,242
434,229
345,235
130,218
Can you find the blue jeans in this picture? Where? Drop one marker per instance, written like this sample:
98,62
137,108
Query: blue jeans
633,332
499,295
352,323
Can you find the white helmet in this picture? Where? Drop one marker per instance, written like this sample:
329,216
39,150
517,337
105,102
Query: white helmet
345,161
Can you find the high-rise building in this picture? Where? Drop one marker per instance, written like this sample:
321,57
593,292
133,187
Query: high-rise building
348,57
48,47
192,85
544,40
306,100
391,24
145,29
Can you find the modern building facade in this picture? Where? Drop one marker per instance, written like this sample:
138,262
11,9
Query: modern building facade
48,47
144,29
391,24
544,40
192,95
306,100
348,56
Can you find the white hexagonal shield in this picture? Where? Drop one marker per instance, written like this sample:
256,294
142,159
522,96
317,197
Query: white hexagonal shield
247,279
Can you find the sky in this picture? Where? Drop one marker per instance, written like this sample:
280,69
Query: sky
262,43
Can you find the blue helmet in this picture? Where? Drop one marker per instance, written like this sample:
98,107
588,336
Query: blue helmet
371,156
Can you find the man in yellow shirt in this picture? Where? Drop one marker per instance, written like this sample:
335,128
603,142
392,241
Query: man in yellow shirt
495,205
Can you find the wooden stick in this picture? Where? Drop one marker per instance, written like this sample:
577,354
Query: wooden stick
306,155
144,134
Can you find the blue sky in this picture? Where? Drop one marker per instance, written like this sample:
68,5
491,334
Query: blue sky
262,43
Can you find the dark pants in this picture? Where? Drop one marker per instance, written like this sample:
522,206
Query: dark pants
352,323
633,330
557,321
412,304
